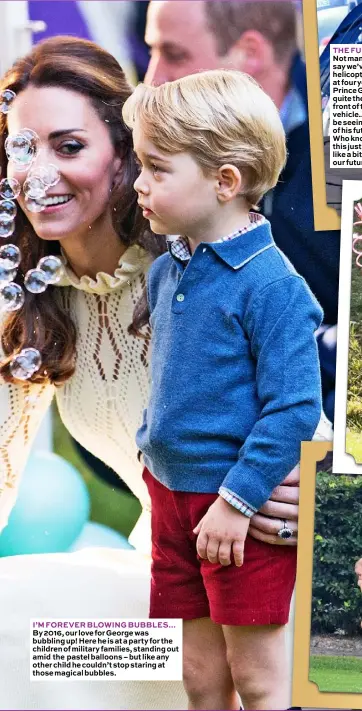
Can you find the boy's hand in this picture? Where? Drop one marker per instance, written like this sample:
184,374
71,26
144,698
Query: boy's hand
222,532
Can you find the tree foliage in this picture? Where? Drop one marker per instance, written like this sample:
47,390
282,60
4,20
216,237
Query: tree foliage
336,600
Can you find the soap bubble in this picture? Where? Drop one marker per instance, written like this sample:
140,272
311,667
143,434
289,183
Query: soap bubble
25,363
35,281
52,176
10,256
48,174
6,228
11,297
31,136
33,356
34,187
20,150
6,275
9,188
6,97
7,210
33,206
52,268
19,368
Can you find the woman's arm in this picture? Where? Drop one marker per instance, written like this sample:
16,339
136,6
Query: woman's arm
283,503
22,407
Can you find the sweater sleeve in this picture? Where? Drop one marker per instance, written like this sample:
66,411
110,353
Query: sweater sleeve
281,322
22,408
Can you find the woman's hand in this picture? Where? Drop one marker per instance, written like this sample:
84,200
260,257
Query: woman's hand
282,506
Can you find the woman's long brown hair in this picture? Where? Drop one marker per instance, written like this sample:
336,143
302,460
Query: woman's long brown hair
43,322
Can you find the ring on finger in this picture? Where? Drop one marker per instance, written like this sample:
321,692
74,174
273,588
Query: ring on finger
285,532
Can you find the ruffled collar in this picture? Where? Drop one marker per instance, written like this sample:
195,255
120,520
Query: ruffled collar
133,261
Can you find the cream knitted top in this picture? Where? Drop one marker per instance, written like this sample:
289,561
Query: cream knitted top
101,404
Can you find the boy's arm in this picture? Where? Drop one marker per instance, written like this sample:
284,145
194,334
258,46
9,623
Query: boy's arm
280,322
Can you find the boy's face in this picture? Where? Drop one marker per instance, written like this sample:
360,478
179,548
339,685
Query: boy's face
175,195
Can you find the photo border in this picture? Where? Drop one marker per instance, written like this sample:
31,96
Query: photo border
305,692
325,218
344,463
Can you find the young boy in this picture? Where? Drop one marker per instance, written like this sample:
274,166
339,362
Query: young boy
235,380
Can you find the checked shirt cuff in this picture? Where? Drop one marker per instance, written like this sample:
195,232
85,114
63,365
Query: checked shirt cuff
235,501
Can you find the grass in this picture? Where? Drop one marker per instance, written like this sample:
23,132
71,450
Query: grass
336,674
109,506
354,445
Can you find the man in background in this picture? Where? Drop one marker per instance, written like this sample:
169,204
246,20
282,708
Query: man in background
260,38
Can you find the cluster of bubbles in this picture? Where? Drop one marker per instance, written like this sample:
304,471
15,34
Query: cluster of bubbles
48,271
22,149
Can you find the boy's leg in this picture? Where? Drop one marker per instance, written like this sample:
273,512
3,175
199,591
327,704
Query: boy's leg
207,678
258,664
252,603
177,590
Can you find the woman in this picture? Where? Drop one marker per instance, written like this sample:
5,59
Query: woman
91,328
108,250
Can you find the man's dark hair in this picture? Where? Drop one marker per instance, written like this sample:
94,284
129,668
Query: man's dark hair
276,20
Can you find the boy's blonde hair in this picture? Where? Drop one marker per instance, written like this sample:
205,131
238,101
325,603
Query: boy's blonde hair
219,116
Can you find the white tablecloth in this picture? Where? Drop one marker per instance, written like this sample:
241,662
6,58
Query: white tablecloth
95,583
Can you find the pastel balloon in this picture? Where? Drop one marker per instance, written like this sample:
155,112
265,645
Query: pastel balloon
96,535
52,507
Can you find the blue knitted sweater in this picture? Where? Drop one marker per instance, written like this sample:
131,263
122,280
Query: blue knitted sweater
234,367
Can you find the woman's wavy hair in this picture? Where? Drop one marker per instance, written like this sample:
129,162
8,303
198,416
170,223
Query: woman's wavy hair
44,322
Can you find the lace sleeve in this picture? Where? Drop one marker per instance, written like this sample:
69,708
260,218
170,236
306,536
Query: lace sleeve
22,408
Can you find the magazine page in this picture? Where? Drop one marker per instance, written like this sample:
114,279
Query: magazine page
168,323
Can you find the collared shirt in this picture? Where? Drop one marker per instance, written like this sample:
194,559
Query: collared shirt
180,248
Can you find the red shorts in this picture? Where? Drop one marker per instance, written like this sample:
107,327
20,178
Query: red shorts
183,585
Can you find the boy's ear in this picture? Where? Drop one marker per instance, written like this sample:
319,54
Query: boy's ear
229,182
